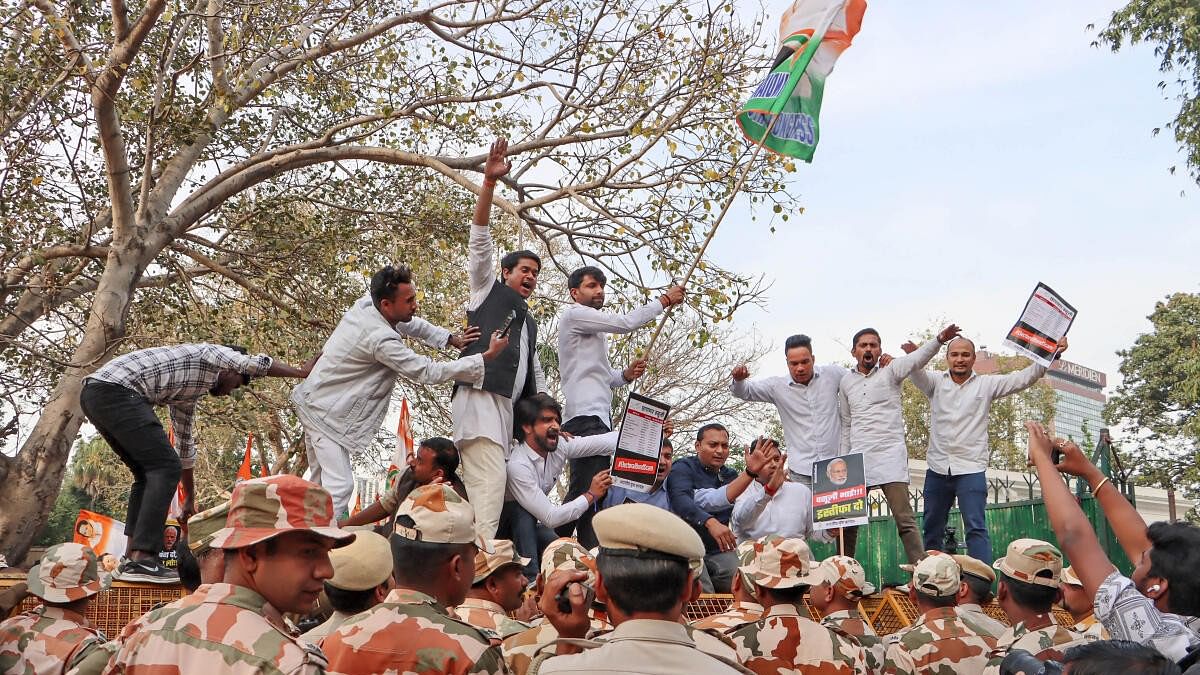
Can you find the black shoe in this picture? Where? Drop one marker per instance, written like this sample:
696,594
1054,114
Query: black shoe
149,571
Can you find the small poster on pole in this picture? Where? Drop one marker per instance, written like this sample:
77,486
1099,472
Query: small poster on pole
1046,319
839,492
635,462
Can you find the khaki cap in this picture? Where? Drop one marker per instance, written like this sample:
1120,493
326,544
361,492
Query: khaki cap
1068,576
502,555
364,564
783,563
440,516
264,508
203,526
1027,560
66,573
975,567
568,555
649,530
937,574
846,576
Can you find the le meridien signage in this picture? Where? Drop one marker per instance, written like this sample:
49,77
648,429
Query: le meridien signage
1080,372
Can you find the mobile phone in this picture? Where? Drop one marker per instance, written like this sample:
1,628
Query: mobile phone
512,314
563,599
1056,455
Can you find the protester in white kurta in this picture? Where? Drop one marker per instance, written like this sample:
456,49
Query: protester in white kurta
807,402
872,424
345,398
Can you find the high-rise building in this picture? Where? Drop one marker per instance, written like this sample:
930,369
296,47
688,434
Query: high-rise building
1078,396
1078,400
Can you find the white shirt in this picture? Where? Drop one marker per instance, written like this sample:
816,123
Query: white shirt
871,419
531,477
809,412
346,395
586,374
958,440
757,514
478,413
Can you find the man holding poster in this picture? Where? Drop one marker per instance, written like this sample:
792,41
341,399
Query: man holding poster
960,403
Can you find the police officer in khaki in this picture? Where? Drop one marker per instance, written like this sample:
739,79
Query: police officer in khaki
648,560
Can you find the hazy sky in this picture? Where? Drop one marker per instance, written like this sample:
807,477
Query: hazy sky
968,151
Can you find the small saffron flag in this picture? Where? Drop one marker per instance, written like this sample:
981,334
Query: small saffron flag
404,446
812,35
245,471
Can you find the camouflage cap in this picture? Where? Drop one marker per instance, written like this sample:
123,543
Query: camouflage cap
937,574
439,516
264,508
502,555
747,551
975,567
650,531
847,576
66,573
364,564
1068,576
1033,561
568,555
783,563
202,526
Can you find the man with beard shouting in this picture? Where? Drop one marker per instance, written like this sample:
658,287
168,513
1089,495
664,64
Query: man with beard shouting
533,469
588,377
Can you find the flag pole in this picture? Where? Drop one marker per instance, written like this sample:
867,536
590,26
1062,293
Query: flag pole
737,188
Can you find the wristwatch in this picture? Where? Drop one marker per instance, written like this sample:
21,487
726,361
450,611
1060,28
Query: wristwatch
750,473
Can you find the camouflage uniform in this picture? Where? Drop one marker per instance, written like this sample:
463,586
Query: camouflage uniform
939,642
50,639
519,650
409,632
412,631
739,614
1036,562
219,628
1090,625
785,641
980,621
224,628
850,623
1046,641
489,617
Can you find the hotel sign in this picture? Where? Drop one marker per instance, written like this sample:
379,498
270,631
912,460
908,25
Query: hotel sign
1080,372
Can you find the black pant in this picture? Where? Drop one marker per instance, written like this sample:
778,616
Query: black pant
127,421
583,470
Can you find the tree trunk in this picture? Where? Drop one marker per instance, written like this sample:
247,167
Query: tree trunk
33,478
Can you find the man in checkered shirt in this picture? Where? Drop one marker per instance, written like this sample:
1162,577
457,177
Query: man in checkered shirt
119,400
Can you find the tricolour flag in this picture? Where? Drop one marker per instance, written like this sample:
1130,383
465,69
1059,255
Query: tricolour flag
404,446
812,35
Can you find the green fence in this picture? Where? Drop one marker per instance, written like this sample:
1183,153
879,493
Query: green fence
880,552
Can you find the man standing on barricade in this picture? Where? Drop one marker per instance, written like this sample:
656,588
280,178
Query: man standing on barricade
807,402
588,378
433,553
343,401
276,539
873,426
960,402
483,410
119,398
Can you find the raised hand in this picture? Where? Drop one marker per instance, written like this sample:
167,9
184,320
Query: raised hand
497,165
497,344
948,333
740,373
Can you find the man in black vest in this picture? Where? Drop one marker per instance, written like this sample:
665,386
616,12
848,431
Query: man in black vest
483,413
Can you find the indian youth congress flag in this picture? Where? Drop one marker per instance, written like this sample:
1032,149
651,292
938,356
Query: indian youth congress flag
812,35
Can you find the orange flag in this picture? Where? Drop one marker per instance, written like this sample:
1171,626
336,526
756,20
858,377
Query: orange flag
404,445
244,472
175,510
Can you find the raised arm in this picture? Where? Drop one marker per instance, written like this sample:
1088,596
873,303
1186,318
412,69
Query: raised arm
746,389
480,269
587,320
1127,524
901,367
1071,527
